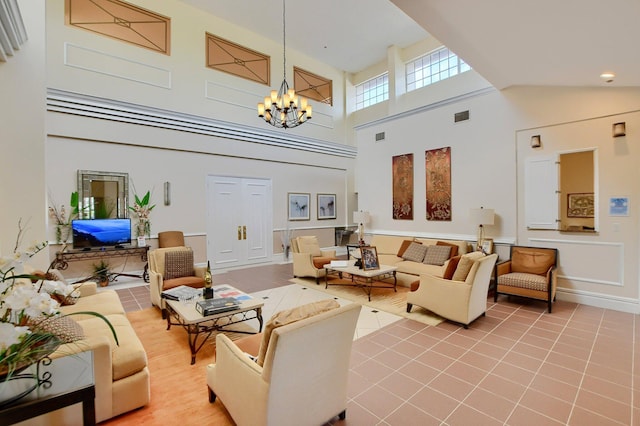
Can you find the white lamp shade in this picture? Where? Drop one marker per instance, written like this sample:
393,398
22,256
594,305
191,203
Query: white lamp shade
482,216
361,217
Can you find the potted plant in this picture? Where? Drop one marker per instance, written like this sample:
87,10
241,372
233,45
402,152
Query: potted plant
101,272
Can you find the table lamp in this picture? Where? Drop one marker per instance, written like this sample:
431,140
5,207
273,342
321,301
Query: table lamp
481,217
361,218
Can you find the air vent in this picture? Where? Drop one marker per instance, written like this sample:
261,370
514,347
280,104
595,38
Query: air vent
461,116
379,136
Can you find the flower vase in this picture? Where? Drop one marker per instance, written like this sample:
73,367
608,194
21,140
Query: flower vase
62,233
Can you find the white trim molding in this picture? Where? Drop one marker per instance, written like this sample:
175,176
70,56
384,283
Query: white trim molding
107,109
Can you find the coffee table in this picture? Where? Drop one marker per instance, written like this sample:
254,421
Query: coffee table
363,278
199,328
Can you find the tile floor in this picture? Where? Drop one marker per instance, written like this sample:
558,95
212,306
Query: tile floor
518,365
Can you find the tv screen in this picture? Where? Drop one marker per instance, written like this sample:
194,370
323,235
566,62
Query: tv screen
89,233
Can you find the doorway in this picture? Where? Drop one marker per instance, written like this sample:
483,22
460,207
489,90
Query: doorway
239,221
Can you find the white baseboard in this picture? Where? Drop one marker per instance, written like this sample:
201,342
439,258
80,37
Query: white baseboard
599,300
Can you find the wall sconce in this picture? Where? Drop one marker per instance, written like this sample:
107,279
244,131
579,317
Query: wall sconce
619,129
167,193
536,142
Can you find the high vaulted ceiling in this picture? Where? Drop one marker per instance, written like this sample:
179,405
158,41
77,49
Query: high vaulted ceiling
509,42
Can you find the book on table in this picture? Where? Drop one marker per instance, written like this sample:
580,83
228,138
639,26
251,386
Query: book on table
215,306
181,292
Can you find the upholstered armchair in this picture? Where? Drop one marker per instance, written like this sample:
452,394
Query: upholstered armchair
171,267
530,272
461,299
308,258
300,373
170,239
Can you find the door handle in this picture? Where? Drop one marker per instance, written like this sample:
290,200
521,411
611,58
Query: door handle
244,232
239,232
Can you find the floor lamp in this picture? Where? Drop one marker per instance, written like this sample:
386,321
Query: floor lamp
361,218
481,217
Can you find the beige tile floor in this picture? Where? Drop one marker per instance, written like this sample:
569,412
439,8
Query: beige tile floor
517,366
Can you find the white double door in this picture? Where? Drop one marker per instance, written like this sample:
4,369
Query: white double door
239,212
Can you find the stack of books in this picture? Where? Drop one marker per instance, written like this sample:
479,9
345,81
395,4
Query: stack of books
182,292
208,307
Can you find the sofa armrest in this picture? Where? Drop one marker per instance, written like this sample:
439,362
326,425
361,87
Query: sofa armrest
87,288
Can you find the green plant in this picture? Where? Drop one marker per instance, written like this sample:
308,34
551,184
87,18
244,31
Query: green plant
101,272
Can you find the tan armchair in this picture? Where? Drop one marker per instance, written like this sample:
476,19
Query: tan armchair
303,377
458,301
308,258
171,267
530,272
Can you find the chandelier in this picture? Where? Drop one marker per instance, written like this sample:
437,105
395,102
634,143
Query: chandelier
283,108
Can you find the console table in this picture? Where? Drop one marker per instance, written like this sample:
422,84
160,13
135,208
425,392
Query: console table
63,257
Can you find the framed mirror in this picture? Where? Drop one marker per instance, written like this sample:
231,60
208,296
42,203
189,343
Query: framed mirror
103,195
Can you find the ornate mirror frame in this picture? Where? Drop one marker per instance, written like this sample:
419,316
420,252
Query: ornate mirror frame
113,200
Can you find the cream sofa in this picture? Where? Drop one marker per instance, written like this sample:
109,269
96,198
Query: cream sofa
121,373
388,246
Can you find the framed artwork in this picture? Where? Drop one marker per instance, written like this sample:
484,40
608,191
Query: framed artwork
438,184
580,204
369,258
298,205
326,206
402,175
619,206
487,245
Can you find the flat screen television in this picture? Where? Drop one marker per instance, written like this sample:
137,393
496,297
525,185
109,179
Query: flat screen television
89,233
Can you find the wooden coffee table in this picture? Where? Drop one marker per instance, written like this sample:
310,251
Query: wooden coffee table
363,278
199,328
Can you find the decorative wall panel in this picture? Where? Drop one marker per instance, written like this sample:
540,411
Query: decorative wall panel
438,183
120,20
312,86
226,56
402,169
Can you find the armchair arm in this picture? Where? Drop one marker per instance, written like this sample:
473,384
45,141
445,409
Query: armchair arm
155,288
446,298
303,265
238,381
200,270
503,268
87,288
328,253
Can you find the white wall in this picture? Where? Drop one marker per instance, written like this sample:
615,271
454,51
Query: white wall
487,170
22,135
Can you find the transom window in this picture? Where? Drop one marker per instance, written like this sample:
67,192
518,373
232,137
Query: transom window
433,67
372,91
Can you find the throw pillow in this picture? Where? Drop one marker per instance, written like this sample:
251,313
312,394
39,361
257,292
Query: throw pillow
415,252
465,264
290,316
451,267
177,264
403,247
454,248
437,255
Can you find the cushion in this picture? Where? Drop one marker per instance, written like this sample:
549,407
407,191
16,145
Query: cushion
415,252
451,267
403,247
320,261
178,264
524,280
191,281
437,255
454,248
309,244
290,316
414,285
532,260
465,264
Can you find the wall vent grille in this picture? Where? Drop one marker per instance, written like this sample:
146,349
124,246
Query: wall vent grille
379,136
461,116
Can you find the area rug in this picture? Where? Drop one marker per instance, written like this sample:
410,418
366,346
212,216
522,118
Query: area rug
383,299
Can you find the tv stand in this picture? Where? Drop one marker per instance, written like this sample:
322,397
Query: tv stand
63,257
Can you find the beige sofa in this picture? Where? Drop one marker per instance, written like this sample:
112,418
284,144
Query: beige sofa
388,246
120,371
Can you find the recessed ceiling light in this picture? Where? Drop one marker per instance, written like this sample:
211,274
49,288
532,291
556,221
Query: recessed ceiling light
607,76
